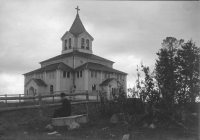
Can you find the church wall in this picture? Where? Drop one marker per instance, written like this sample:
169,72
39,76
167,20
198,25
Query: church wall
79,83
85,36
94,80
66,83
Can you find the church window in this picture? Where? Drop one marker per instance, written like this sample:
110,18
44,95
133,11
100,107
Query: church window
51,88
68,74
66,44
64,74
87,44
83,43
108,75
70,45
81,75
77,73
94,87
93,73
105,75
117,76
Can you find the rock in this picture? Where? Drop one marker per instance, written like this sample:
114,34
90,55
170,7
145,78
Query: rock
145,125
105,128
53,133
73,126
59,135
114,119
126,137
152,126
194,114
48,127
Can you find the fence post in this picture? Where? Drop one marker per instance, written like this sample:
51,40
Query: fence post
53,99
40,109
19,98
87,99
6,99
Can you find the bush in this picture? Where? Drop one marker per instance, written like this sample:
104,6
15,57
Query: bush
120,104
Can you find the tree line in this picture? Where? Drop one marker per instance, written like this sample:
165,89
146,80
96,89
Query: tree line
175,79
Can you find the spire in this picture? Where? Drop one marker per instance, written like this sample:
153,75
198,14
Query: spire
77,26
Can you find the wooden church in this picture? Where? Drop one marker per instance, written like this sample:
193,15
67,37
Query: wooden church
76,68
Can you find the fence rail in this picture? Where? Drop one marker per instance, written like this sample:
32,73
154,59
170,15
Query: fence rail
40,105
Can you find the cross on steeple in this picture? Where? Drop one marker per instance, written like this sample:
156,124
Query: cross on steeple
77,10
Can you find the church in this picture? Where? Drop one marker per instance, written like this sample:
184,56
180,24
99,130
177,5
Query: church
76,69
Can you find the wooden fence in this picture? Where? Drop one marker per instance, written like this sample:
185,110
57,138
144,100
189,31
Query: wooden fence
40,105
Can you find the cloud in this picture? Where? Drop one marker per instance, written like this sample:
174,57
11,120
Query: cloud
124,32
11,84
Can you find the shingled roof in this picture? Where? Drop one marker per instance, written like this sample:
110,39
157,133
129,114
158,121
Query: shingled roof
77,26
79,54
107,81
96,66
51,67
39,82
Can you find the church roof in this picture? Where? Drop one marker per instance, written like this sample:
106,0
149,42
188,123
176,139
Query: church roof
79,54
96,66
51,67
77,26
39,82
107,81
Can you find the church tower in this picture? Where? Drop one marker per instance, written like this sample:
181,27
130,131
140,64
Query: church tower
77,38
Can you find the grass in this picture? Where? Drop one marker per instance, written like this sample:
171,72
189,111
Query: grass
14,124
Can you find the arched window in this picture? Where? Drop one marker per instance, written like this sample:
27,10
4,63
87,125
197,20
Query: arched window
93,87
66,44
70,45
83,43
51,88
87,44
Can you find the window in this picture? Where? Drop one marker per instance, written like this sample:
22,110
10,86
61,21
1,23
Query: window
51,88
87,44
70,45
83,43
66,44
27,92
93,87
108,75
41,75
93,73
105,75
68,74
64,74
117,77
77,74
81,75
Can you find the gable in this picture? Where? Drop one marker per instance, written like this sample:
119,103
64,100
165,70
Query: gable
86,35
67,35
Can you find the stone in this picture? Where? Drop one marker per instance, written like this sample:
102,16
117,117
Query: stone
126,137
48,127
73,126
152,126
114,119
145,125
53,133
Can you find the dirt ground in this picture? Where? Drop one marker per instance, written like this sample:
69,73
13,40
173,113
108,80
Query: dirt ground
27,125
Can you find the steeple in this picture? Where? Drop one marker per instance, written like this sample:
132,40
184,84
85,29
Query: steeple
77,38
77,26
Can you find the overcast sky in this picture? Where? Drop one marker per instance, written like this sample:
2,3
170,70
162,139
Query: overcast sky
125,32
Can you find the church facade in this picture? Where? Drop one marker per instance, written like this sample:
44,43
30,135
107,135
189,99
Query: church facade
75,69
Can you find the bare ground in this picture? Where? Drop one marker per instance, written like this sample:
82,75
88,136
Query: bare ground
26,124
